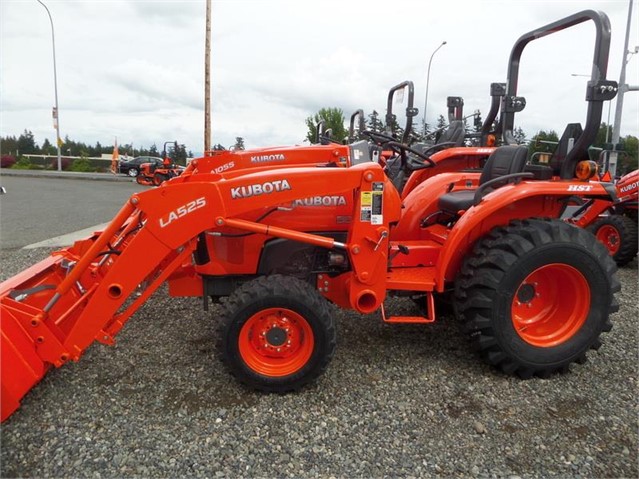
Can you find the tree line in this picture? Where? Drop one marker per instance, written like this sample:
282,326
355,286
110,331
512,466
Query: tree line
333,119
26,144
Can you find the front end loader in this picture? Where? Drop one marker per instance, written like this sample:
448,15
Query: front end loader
282,243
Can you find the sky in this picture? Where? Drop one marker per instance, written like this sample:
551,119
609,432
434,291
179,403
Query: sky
135,69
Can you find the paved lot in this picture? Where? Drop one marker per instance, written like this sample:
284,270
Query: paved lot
37,208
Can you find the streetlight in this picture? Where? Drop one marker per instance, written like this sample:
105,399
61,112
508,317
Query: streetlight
56,111
428,80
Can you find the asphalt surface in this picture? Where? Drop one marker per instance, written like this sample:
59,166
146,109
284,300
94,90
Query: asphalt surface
67,175
396,401
39,207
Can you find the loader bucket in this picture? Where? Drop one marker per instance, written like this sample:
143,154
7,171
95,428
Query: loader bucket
22,339
21,368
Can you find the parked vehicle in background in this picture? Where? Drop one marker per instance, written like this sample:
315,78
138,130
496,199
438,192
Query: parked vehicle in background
132,167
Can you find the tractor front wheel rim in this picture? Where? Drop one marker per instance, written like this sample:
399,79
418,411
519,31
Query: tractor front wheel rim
550,305
276,342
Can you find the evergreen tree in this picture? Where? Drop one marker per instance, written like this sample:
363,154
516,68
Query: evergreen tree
47,148
9,145
26,143
179,155
396,130
374,124
519,135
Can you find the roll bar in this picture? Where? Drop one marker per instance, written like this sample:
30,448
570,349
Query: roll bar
598,90
361,127
410,111
497,92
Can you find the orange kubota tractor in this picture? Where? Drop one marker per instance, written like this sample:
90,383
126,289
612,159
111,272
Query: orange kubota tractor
154,175
614,223
283,242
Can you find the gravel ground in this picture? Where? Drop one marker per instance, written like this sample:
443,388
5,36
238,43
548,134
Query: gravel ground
397,400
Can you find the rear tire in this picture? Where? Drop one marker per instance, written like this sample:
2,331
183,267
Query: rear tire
276,334
536,295
618,233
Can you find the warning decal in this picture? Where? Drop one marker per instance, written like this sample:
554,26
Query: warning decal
371,204
377,218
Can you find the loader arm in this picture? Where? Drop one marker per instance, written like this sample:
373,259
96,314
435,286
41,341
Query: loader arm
53,311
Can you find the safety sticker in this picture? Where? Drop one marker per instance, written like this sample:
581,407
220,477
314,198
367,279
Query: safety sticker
377,217
366,200
371,205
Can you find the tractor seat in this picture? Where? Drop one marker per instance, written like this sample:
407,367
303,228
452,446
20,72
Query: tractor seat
454,133
505,162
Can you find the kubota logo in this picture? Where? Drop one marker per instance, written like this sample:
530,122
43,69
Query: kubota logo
262,158
321,201
182,211
631,186
259,189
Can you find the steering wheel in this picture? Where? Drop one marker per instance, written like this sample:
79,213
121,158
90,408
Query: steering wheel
381,138
401,149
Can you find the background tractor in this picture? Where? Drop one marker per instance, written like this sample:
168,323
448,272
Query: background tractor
154,174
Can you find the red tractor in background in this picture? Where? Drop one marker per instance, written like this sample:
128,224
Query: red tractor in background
152,175
283,242
617,227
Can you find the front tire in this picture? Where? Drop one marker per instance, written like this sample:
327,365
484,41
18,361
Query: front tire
276,334
536,295
133,172
141,180
159,178
618,233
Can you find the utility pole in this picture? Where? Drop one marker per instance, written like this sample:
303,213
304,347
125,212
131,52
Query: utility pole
623,88
207,80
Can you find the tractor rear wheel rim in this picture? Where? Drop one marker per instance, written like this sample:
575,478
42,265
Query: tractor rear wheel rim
276,342
610,237
551,305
